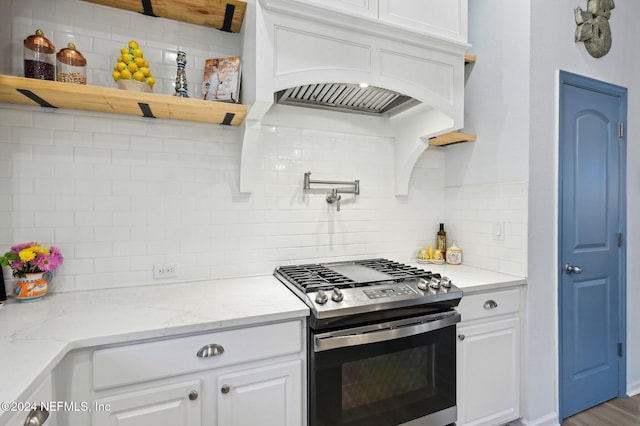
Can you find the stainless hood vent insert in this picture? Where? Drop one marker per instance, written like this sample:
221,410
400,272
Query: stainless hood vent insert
344,97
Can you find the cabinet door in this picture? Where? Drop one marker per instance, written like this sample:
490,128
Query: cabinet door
368,8
270,395
44,393
171,405
489,372
442,18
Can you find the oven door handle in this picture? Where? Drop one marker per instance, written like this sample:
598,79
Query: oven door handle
362,336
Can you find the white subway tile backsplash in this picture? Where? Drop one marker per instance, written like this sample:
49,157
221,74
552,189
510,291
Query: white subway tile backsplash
119,194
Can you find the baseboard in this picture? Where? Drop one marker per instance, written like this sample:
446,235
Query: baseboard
550,419
633,388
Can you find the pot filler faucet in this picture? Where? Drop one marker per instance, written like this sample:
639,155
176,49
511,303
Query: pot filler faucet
334,195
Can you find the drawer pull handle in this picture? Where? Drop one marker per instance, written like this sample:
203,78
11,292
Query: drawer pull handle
210,350
37,416
193,395
461,337
490,304
225,389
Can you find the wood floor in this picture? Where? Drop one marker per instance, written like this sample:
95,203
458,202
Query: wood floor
617,412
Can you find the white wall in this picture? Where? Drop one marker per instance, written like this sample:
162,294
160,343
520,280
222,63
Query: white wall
487,181
552,49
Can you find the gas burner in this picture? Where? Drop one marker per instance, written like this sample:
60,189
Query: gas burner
326,276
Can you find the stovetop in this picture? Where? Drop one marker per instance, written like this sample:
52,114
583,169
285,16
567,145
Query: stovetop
359,273
360,290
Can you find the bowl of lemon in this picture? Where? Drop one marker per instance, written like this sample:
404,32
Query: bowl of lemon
132,70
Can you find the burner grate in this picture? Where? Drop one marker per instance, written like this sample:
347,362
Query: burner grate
397,270
314,277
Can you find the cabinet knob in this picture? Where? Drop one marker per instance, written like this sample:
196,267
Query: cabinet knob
490,304
193,395
37,416
209,350
225,389
461,337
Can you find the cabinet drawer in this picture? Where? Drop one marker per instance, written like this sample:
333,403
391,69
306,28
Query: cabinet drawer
476,306
148,361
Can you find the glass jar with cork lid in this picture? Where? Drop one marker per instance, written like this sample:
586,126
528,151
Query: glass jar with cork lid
71,65
39,57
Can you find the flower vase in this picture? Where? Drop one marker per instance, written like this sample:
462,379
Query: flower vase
32,286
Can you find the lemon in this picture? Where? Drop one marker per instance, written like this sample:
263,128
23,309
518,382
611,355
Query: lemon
138,76
120,66
146,64
145,71
116,75
151,81
126,58
124,50
137,53
132,67
139,62
133,44
126,74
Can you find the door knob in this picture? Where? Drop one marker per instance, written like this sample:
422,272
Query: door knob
571,269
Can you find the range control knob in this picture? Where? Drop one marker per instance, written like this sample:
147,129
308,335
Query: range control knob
321,297
445,282
434,283
423,284
337,295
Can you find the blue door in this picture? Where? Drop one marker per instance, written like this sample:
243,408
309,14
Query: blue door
591,251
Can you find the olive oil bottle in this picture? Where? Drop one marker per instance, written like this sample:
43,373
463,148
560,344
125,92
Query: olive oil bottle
441,241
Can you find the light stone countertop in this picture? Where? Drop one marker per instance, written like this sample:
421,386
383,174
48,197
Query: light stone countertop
473,280
35,336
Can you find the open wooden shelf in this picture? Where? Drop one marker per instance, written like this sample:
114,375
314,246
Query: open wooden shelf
451,138
225,15
54,94
469,58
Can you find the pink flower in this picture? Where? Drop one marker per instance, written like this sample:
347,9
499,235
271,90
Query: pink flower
19,247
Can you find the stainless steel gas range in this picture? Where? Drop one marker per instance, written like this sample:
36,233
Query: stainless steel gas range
381,342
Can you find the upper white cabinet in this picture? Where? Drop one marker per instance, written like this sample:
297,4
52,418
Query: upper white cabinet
444,18
441,18
367,8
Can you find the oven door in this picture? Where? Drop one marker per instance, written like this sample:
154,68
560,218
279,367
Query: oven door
399,372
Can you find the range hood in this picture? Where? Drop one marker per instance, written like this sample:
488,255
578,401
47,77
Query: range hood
303,53
344,97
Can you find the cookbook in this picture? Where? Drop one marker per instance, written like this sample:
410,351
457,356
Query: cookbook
221,80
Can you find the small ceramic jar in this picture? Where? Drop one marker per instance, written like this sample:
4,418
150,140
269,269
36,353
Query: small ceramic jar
454,255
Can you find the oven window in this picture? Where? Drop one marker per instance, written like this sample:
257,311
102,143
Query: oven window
385,383
369,384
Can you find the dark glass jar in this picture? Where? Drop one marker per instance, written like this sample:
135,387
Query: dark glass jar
39,57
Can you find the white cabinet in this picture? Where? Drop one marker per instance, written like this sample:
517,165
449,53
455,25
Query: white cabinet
171,405
368,8
43,393
488,356
234,377
443,18
261,396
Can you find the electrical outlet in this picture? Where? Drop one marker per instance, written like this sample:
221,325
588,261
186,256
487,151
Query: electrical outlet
165,270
